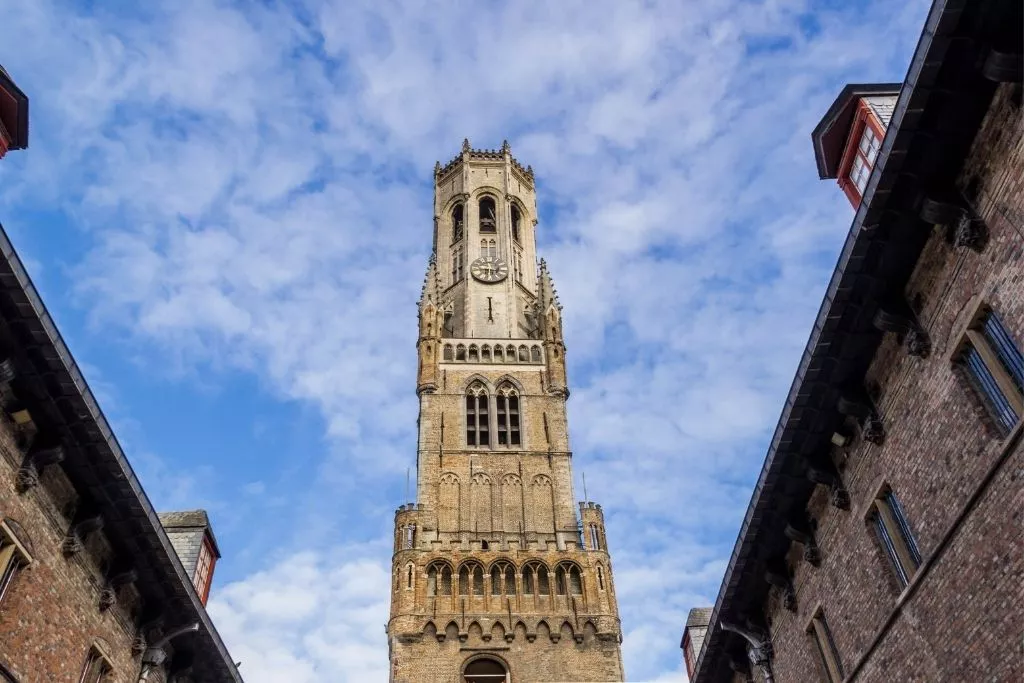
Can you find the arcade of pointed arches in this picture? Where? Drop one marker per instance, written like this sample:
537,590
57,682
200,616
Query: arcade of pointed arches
529,629
492,353
534,579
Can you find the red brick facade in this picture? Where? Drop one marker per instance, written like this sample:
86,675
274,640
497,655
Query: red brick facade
959,482
50,615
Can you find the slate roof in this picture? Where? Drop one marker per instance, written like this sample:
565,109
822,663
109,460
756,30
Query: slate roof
699,616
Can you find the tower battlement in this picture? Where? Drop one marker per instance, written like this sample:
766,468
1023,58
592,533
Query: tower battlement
469,153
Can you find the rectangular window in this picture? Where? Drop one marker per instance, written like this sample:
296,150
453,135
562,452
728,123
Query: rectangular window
826,646
98,668
859,173
13,558
895,537
869,145
864,158
204,570
994,368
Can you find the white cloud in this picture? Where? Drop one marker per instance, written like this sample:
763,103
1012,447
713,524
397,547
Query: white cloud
253,187
311,616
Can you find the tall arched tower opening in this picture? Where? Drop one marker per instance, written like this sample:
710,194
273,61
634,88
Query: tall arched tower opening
496,575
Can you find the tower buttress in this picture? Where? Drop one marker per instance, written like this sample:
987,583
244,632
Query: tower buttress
549,318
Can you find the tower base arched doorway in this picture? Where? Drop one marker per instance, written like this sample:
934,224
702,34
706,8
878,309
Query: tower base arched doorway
485,670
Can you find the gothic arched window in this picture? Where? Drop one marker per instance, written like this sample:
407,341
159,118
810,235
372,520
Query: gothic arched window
568,580
524,354
488,215
499,354
503,579
543,588
485,670
471,579
488,248
535,354
507,401
449,352
575,581
457,222
510,354
477,421
439,579
474,354
535,579
460,352
485,353
516,220
445,587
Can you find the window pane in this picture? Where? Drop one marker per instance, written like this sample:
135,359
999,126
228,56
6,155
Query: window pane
1005,348
890,549
901,520
985,384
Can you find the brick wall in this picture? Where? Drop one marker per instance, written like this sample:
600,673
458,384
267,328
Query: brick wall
958,481
50,616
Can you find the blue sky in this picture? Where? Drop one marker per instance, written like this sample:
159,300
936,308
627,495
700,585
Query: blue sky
227,209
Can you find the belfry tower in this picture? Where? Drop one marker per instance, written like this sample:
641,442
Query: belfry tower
497,576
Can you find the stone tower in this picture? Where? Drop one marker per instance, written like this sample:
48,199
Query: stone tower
497,576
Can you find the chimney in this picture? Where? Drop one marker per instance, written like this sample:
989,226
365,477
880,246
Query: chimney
693,636
192,537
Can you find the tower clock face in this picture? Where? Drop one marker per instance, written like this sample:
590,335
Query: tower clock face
489,269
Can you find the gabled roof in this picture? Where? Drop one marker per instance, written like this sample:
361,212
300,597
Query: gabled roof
829,136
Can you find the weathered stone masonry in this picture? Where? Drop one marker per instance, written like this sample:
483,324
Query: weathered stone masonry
495,565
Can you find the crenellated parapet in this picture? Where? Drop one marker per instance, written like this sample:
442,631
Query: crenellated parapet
469,153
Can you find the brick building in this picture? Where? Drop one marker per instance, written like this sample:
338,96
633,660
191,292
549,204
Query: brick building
883,541
91,589
497,575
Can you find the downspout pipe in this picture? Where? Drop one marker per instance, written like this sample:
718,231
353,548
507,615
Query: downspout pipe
759,648
156,654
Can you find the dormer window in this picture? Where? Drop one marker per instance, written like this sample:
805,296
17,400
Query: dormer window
848,139
488,215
